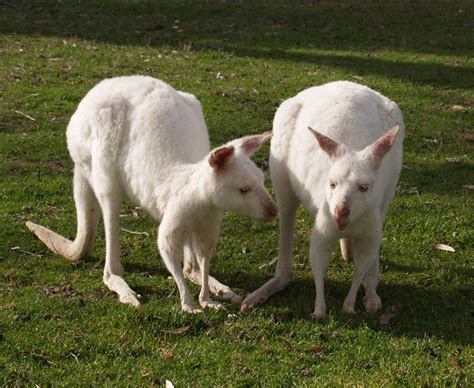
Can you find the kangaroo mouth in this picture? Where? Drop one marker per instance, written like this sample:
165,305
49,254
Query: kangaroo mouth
342,223
269,214
269,217
273,214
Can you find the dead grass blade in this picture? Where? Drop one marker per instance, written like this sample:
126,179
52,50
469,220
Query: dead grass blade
444,247
179,330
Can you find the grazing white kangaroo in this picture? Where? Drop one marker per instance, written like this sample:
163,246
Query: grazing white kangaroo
344,172
137,137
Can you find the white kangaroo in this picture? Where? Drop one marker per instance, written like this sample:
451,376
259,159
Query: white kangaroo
344,172
137,137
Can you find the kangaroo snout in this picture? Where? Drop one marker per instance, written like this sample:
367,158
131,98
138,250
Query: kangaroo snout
341,215
270,212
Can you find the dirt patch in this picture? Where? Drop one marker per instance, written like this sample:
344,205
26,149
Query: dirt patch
56,166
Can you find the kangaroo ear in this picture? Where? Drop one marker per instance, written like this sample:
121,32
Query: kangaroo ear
250,144
327,144
220,156
378,149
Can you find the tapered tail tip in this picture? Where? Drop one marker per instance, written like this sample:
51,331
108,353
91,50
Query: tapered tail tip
55,242
31,226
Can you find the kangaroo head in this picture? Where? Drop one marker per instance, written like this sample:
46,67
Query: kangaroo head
239,183
351,176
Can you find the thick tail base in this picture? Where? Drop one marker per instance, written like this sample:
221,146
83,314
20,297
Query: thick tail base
346,250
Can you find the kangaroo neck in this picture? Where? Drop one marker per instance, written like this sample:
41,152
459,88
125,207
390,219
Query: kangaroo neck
184,189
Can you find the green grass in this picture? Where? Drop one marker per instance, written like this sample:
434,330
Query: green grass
417,53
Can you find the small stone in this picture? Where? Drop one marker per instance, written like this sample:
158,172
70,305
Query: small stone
245,370
306,372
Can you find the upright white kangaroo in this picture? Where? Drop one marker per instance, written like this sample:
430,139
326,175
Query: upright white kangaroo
137,137
344,172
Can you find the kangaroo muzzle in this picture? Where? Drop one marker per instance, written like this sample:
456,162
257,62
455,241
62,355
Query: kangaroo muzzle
270,211
341,216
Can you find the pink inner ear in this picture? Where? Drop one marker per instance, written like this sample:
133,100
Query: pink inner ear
250,144
219,157
327,144
381,147
385,142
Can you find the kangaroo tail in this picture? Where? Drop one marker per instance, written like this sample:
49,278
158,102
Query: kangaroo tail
346,249
71,250
88,211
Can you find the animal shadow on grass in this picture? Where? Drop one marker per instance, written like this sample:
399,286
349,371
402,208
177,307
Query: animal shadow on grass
420,311
285,24
435,74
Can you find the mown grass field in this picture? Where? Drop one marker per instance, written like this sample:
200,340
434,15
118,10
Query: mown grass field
59,325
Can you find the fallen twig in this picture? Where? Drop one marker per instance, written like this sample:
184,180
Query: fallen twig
75,357
42,357
133,232
269,264
28,253
25,115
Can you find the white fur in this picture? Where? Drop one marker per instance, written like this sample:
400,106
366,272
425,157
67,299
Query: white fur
139,138
354,117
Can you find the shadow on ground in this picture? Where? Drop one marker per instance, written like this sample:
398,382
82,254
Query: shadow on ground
267,29
442,178
421,311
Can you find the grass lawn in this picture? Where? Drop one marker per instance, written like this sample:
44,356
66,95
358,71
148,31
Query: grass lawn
59,325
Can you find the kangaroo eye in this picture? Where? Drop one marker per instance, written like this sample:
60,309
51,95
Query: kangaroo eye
363,188
332,185
244,190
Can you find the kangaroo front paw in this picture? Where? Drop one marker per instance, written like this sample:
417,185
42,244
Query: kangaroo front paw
190,308
318,316
372,303
211,304
348,307
319,313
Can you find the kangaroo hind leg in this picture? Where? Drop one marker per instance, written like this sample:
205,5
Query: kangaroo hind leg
192,271
110,197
